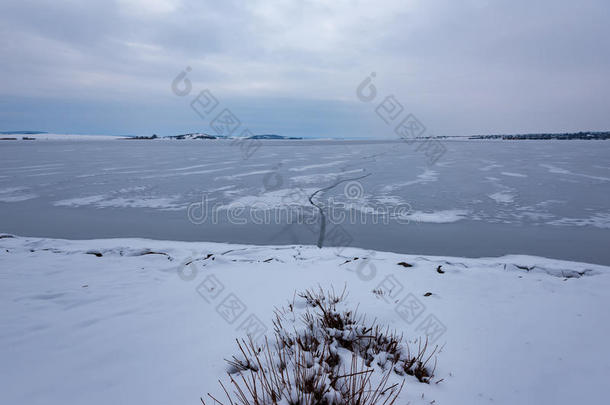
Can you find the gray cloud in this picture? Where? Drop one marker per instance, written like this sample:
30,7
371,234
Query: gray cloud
464,67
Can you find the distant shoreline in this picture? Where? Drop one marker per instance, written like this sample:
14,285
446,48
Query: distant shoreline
40,135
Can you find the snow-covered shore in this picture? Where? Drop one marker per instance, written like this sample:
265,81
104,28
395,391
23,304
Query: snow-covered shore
143,321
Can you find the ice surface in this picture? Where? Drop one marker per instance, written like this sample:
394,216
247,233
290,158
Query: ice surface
143,188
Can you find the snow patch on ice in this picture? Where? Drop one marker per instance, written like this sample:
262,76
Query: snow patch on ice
322,178
511,174
388,199
16,194
599,220
273,199
184,173
303,168
426,177
558,170
437,217
489,167
79,201
168,203
502,197
246,174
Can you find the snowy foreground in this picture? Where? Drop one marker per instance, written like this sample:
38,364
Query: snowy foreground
151,322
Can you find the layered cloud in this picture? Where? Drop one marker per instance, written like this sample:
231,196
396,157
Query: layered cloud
464,67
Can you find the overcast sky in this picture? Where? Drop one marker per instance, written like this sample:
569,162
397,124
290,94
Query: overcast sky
292,67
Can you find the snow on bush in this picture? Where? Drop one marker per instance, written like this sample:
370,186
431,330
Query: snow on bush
325,353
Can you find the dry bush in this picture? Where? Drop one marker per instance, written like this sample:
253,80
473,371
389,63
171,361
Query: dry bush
324,355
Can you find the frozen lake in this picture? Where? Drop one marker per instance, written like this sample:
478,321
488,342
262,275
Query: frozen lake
546,198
